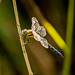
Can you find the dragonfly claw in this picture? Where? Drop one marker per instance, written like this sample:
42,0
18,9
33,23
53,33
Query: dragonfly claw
20,36
25,43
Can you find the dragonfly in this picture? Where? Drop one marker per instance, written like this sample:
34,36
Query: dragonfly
39,33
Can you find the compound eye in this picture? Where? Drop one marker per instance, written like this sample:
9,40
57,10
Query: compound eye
24,31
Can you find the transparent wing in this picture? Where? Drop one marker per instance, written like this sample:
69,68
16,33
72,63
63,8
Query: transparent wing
36,36
35,24
44,42
41,31
38,29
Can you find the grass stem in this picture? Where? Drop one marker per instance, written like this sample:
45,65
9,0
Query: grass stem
69,33
21,40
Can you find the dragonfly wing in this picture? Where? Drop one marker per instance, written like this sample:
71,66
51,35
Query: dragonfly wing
36,36
38,29
44,42
35,24
41,31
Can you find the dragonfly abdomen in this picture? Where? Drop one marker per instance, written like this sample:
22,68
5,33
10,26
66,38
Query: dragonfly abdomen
55,50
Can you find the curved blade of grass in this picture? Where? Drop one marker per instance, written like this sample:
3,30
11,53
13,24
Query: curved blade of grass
69,34
70,22
54,34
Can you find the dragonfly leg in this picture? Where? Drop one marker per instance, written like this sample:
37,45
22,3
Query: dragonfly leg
21,36
28,38
27,41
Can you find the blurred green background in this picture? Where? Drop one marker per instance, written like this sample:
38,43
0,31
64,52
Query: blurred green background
43,61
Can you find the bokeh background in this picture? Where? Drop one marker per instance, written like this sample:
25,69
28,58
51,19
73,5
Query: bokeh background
43,61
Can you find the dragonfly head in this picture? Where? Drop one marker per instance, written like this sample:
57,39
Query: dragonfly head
24,31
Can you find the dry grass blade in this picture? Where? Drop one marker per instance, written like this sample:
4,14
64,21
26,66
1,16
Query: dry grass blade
21,40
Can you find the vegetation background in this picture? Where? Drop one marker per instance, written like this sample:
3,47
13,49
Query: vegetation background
43,61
